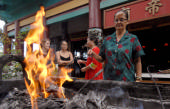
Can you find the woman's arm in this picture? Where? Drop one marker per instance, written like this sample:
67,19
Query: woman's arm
71,58
59,61
138,66
96,56
84,69
81,62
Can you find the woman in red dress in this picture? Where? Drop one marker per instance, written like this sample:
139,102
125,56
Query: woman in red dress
92,65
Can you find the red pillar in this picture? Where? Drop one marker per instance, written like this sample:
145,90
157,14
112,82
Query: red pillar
94,14
95,20
6,42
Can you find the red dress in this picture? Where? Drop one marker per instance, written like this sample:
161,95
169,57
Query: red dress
91,72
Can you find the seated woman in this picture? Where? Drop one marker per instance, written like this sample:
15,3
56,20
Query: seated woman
92,65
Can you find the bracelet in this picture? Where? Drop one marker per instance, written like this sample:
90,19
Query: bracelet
139,78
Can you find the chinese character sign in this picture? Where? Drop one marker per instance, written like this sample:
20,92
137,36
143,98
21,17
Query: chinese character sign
153,6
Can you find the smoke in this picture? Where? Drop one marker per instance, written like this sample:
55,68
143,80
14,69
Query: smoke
115,92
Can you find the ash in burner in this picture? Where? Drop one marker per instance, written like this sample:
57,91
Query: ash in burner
15,99
114,98
20,99
90,101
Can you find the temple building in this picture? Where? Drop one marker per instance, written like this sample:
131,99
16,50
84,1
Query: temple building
72,19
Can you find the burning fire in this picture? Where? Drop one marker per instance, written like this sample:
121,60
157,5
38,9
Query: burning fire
38,72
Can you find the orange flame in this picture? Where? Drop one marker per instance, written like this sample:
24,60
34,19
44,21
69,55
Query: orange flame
36,64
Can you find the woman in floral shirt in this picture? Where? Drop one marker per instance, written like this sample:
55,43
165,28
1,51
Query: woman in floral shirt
121,52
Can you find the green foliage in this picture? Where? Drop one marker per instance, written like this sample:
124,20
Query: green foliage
6,40
22,35
12,70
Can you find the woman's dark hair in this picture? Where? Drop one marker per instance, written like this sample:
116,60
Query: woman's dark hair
93,37
63,41
124,11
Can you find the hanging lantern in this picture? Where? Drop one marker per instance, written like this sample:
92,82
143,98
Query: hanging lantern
166,44
143,46
154,49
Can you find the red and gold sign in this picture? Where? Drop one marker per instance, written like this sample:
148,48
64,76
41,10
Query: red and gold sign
140,10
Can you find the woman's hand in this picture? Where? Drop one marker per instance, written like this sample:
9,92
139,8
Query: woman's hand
138,80
96,56
90,52
79,61
83,69
62,63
